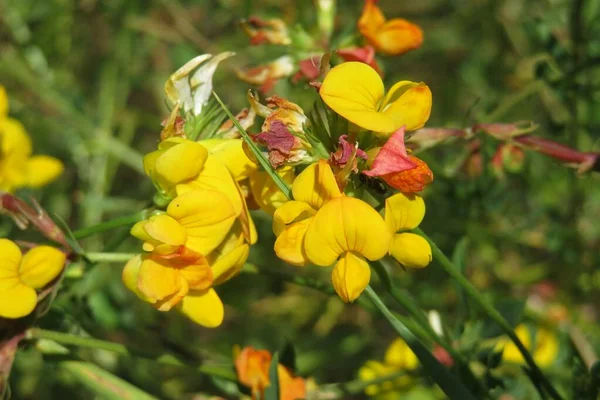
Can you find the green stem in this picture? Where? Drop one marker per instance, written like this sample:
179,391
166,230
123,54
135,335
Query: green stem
112,224
440,374
109,257
358,386
512,100
117,348
489,309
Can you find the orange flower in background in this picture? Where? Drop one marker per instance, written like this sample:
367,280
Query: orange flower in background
252,367
393,37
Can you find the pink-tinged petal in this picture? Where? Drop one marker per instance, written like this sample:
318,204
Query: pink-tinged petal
392,157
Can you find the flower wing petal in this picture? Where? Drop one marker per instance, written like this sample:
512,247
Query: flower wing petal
316,185
408,103
350,276
411,250
404,211
43,170
41,265
203,307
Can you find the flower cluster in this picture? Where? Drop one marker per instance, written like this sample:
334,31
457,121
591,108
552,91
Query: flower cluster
21,275
18,168
252,367
543,346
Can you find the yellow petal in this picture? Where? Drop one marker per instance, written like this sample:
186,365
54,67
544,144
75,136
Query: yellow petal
207,216
245,219
231,153
178,161
510,352
289,245
130,276
290,212
157,280
400,355
350,276
3,102
372,370
18,299
355,91
397,36
215,176
316,185
10,260
411,250
266,193
14,138
43,170
41,265
203,307
229,264
346,224
404,211
408,103
165,229
546,347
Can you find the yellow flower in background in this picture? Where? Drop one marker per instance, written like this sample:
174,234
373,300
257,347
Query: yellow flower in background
393,37
398,357
18,168
356,92
543,347
405,212
314,187
21,275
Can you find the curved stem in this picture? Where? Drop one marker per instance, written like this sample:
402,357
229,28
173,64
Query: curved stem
110,257
112,224
489,309
118,348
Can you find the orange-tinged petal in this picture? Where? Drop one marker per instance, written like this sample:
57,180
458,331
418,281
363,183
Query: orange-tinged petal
207,216
157,280
397,36
43,170
346,224
316,185
231,153
130,276
41,265
371,19
411,250
350,276
290,386
252,368
392,157
10,260
290,212
404,211
355,91
198,275
400,355
203,307
408,104
18,299
215,176
289,245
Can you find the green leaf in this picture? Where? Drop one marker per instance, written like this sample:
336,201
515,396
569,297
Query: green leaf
103,383
257,153
511,310
447,381
272,391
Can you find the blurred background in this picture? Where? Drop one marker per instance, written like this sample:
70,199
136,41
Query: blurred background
86,79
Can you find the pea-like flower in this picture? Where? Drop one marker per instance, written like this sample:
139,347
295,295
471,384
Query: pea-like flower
393,37
18,168
356,92
21,275
404,212
543,346
324,227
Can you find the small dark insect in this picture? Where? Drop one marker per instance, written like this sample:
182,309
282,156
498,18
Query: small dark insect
374,184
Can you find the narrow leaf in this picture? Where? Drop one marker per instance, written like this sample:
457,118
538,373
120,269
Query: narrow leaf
272,391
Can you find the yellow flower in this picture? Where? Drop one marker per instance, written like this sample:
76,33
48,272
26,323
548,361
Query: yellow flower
398,357
231,153
323,226
265,191
544,349
18,168
405,212
393,37
21,275
356,92
311,190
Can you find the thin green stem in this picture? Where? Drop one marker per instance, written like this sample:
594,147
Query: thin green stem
512,100
489,309
257,153
109,257
343,389
112,224
117,348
